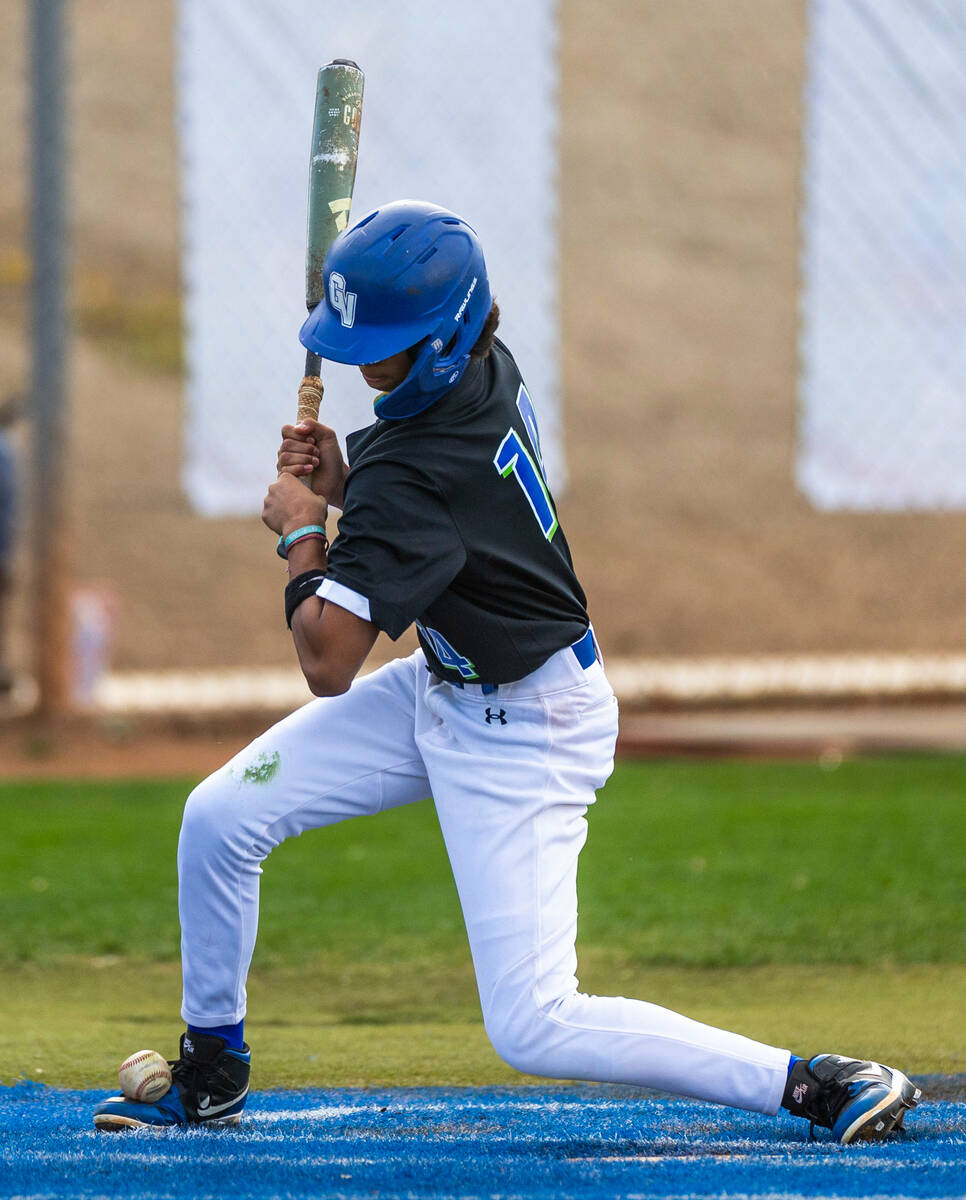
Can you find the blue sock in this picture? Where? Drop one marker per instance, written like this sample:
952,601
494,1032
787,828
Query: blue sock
234,1035
792,1060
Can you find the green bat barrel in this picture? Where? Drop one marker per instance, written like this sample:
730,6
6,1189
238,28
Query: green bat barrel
332,165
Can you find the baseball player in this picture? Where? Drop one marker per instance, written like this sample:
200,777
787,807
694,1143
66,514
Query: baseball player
504,714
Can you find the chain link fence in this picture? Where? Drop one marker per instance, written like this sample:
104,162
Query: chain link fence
884,262
459,113
689,154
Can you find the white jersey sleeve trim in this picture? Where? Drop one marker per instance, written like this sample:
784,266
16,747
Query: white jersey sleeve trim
346,598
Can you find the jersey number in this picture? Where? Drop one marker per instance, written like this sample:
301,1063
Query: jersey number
446,654
513,458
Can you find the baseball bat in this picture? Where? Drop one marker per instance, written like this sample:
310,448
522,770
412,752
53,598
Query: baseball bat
332,173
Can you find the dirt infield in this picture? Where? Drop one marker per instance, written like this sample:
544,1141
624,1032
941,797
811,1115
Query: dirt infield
87,748
680,166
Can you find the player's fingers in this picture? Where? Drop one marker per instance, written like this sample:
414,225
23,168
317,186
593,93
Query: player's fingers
303,449
308,431
280,489
297,458
298,433
315,429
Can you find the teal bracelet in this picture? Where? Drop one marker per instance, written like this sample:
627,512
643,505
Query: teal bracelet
285,543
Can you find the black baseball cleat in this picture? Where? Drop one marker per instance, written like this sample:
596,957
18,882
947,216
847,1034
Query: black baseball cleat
210,1087
858,1101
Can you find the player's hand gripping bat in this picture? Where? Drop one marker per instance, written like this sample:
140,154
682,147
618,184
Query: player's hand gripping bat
332,173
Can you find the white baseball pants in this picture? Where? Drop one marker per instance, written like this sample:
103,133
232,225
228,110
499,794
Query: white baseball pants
511,795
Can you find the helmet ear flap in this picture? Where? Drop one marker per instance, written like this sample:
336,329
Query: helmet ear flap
469,317
469,325
419,389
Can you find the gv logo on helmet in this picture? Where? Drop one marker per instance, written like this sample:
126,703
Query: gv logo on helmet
343,301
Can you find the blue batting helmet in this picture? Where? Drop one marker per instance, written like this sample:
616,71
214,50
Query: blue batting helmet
409,274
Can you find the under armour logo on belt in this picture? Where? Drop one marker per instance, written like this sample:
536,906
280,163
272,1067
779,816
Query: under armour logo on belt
492,716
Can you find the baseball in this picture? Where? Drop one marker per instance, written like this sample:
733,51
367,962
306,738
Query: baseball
144,1076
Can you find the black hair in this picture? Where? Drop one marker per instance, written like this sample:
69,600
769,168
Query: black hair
484,343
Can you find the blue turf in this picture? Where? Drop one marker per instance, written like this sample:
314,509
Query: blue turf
468,1142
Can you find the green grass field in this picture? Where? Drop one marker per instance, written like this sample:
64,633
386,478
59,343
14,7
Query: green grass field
816,909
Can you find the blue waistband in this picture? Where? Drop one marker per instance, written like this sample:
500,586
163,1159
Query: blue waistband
585,652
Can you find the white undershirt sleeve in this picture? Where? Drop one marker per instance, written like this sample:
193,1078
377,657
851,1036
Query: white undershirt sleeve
337,593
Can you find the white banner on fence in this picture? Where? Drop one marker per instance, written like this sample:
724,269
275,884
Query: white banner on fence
883,385
457,110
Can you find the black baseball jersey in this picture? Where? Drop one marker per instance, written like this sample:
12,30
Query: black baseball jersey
448,522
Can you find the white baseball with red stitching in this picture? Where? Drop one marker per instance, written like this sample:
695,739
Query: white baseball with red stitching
144,1076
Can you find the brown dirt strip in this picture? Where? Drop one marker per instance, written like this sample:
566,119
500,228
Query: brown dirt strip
94,748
